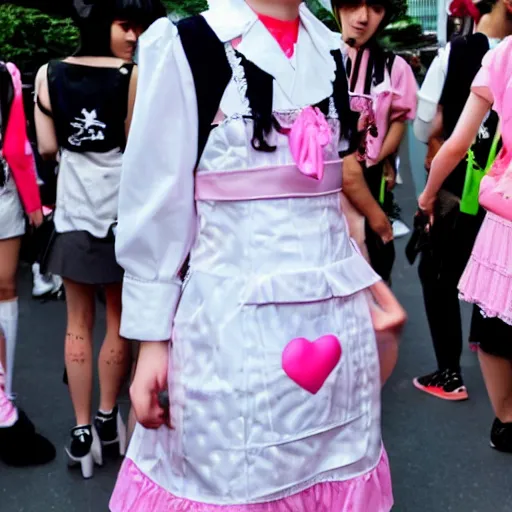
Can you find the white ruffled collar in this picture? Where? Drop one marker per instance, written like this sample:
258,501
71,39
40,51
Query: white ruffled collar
307,79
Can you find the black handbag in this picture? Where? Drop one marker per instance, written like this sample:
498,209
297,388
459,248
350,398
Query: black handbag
420,238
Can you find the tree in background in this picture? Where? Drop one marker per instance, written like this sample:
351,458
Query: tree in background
31,38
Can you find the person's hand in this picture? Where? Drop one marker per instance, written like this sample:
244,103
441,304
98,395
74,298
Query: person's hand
381,225
389,175
150,380
426,203
36,218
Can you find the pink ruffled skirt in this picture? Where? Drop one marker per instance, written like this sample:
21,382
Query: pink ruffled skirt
487,280
371,492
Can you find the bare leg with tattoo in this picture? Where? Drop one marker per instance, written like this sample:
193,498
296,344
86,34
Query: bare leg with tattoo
78,350
85,448
113,365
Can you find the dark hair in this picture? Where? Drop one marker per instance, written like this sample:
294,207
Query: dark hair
393,9
94,19
485,6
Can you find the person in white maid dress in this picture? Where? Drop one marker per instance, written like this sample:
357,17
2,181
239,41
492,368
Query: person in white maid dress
267,349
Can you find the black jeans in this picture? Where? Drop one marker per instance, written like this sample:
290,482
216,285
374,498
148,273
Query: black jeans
441,267
382,256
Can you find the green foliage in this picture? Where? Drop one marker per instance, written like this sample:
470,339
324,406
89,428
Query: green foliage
405,33
185,7
322,14
30,38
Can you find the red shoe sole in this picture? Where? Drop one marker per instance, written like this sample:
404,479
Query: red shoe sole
443,395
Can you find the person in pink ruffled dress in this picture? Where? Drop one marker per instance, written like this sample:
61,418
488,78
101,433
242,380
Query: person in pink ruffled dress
487,280
233,162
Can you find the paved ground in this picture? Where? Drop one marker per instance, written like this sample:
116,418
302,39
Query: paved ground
439,451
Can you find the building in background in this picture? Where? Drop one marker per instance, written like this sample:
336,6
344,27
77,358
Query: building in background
432,15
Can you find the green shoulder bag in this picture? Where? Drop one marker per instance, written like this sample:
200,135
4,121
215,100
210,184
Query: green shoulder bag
474,174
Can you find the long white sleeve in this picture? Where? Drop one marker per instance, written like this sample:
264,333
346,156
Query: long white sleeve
157,219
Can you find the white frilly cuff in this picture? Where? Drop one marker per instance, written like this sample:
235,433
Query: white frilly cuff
149,308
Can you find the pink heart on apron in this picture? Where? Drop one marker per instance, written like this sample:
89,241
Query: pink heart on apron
309,363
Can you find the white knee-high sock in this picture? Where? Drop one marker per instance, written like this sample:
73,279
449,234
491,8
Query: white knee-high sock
9,325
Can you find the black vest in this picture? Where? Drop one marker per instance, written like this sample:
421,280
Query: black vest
89,105
464,62
212,73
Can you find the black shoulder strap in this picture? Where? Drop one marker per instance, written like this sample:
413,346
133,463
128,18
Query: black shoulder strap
47,112
390,60
348,118
210,69
51,76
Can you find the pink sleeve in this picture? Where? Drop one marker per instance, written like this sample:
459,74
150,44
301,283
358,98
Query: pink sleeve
495,75
17,149
405,91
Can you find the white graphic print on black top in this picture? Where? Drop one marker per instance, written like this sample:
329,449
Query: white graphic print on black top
88,127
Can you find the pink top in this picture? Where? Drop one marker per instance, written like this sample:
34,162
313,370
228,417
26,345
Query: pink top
494,83
17,150
393,100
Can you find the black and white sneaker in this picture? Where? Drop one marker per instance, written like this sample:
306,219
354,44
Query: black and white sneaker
501,436
446,384
111,430
85,449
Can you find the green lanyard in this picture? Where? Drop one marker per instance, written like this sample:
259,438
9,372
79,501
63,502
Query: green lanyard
474,175
382,194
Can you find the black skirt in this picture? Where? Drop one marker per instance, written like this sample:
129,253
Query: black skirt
83,258
492,334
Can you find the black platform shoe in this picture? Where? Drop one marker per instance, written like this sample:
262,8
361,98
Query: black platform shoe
111,431
84,450
501,436
21,445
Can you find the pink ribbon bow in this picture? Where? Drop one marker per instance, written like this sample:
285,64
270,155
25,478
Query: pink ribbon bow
308,136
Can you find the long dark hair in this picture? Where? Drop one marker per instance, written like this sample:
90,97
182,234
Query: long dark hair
95,17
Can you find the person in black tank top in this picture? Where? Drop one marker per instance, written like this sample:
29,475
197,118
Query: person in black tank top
82,115
453,233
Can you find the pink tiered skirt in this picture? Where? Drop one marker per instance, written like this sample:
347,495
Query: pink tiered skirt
371,492
487,280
